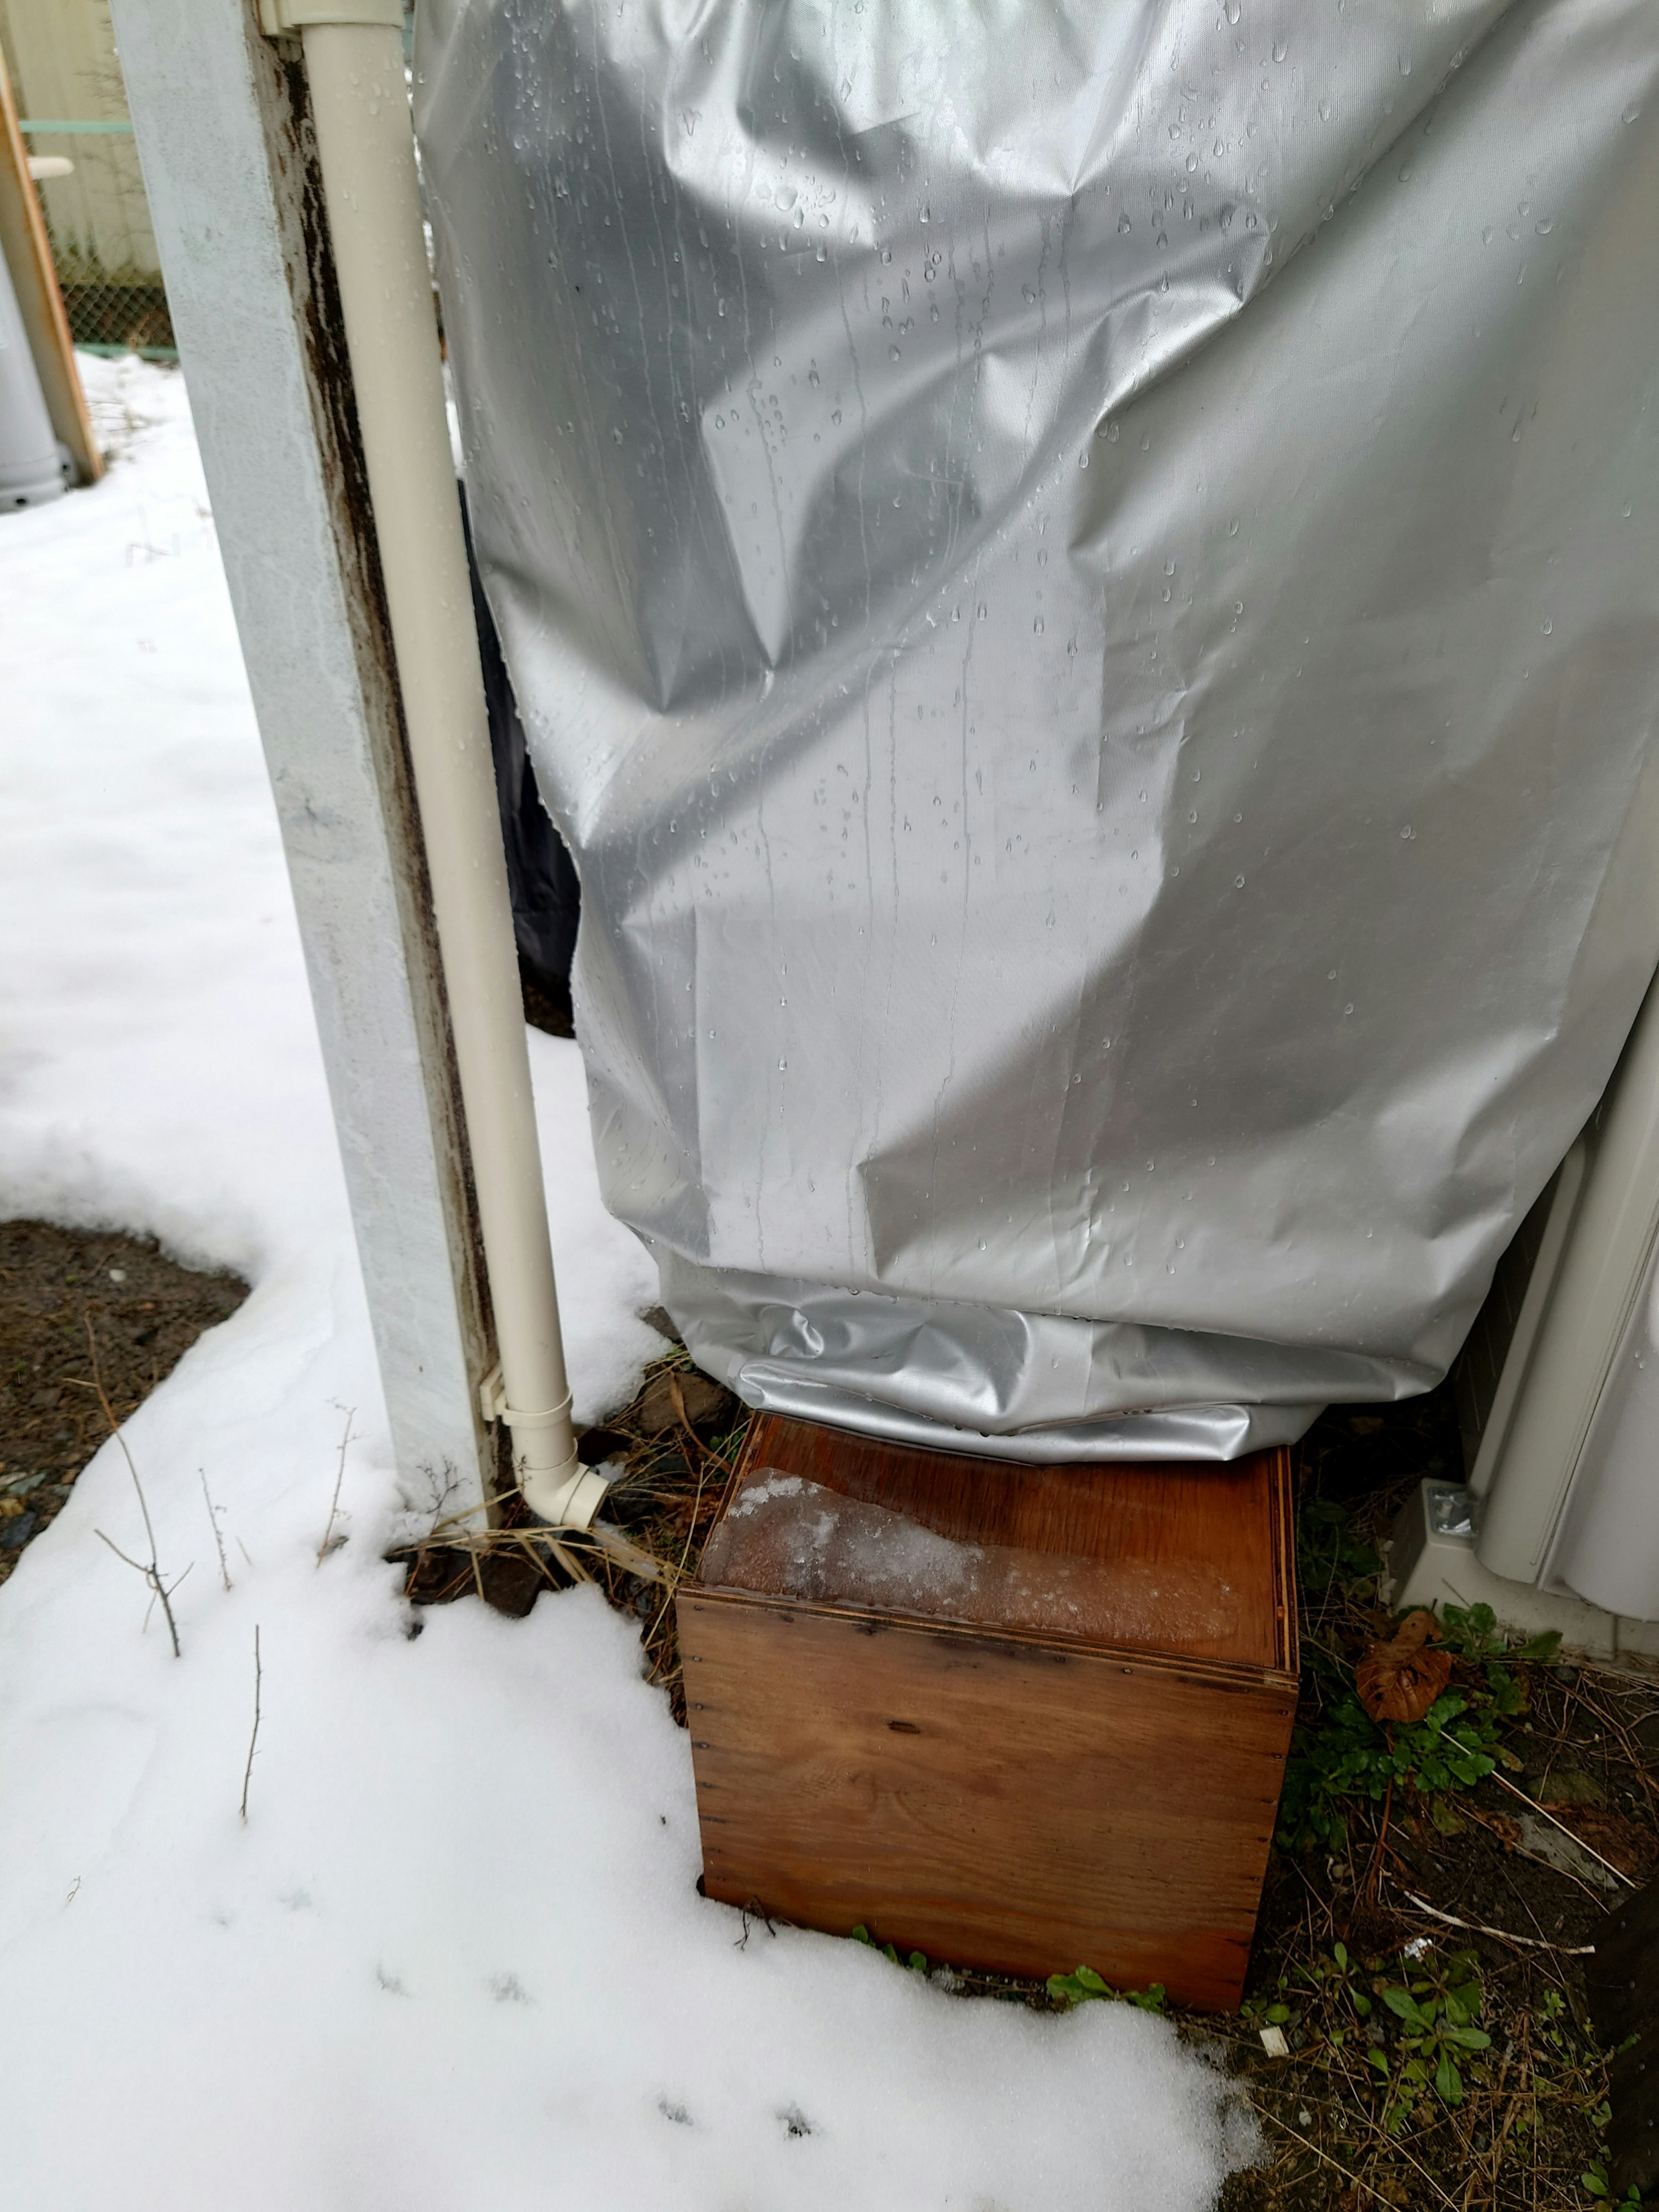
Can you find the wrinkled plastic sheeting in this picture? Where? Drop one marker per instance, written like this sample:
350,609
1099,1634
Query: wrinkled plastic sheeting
1082,584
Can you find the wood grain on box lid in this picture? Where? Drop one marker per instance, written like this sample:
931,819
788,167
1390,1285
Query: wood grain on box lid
1173,1558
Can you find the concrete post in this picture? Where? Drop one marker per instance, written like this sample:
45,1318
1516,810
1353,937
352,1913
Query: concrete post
230,159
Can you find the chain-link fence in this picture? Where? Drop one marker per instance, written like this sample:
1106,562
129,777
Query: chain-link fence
116,301
114,311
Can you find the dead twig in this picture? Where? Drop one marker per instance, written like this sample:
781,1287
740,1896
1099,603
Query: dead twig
672,1584
152,1572
339,1477
1532,1806
677,1399
1374,1872
1503,1935
1330,2161
258,1676
158,1588
213,1516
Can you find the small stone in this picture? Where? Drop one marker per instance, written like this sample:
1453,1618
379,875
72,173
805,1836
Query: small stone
708,1405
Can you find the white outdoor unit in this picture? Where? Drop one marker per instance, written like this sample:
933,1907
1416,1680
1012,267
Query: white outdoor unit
1557,1524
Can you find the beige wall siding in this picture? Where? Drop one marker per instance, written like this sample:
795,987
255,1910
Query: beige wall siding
64,67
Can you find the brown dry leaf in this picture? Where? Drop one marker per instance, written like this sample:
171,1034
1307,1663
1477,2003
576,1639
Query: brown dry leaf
1508,1831
1623,1843
1399,1681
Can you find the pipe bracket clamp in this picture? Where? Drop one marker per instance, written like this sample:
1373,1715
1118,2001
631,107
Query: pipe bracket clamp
492,1398
278,17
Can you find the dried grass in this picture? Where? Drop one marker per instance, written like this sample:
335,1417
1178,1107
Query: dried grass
657,1516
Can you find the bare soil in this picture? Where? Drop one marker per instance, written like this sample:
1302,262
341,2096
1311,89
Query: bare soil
144,1310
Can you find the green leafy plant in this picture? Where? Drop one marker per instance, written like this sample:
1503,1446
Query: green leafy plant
1329,1556
1343,1754
917,1961
1346,1754
1437,2015
1474,1633
1339,1977
1597,2184
1079,1987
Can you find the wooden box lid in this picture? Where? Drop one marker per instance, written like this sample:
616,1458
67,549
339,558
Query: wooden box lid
1191,1560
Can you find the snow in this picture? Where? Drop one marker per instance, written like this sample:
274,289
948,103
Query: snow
799,1538
455,1958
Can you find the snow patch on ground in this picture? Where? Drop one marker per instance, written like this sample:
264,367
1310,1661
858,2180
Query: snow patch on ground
455,1959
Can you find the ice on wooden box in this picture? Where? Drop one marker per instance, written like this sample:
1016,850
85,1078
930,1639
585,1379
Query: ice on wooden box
788,1536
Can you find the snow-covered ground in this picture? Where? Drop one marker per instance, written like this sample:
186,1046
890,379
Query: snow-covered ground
455,1959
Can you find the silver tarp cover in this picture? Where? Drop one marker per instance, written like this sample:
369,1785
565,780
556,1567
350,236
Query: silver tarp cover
1083,581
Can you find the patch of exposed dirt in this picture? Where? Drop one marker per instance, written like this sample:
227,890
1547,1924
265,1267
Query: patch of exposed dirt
145,1313
1529,2122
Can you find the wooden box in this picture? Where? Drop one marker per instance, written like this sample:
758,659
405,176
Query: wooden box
1055,1739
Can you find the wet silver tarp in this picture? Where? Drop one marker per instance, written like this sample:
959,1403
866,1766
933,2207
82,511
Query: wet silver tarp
1083,581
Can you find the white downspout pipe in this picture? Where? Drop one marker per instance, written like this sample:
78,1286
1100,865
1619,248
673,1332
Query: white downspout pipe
366,147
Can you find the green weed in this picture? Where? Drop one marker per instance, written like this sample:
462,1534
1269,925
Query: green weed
1341,1755
917,1961
1437,2015
1079,1988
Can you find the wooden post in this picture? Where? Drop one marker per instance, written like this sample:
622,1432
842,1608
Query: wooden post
230,165
27,251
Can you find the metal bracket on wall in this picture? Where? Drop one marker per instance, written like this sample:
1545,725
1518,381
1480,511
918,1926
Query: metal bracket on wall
279,17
